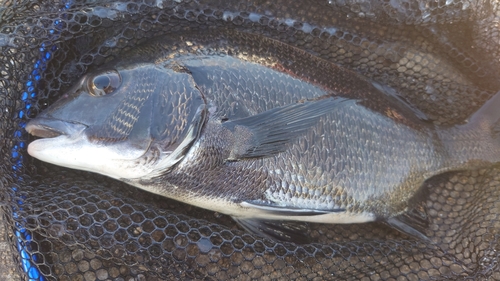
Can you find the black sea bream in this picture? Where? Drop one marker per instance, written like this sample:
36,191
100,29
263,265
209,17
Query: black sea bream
259,130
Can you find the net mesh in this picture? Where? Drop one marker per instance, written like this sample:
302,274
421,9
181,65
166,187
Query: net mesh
441,56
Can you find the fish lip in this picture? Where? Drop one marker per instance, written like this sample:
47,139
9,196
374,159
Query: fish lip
45,127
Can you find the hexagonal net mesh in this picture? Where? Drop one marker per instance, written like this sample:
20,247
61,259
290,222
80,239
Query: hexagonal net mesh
441,56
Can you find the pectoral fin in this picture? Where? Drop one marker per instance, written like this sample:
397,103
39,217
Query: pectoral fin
269,132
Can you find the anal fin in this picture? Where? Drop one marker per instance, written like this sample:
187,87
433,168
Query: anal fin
413,223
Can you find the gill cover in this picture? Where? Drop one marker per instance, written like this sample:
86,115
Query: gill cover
115,118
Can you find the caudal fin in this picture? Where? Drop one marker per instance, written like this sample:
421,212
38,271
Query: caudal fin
475,144
487,118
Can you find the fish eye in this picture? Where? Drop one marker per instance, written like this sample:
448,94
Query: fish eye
104,83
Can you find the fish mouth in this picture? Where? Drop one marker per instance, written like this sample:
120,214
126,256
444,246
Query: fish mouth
51,127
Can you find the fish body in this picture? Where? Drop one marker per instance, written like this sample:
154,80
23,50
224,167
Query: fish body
256,129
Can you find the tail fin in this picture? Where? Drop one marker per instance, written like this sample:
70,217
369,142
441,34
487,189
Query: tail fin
487,118
475,144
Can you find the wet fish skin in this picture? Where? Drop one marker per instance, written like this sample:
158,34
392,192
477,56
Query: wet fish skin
185,122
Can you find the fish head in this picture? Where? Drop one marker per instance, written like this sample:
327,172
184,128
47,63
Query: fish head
123,121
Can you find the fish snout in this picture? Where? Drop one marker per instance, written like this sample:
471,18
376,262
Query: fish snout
45,127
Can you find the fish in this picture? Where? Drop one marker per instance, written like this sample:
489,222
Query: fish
264,132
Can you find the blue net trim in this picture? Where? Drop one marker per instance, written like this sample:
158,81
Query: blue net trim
23,236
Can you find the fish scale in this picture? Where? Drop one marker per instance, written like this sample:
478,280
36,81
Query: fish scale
233,147
463,207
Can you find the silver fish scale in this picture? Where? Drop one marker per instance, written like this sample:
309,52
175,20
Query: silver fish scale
463,207
119,125
354,158
243,89
367,160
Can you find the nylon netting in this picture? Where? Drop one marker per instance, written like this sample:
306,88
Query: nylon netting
441,56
